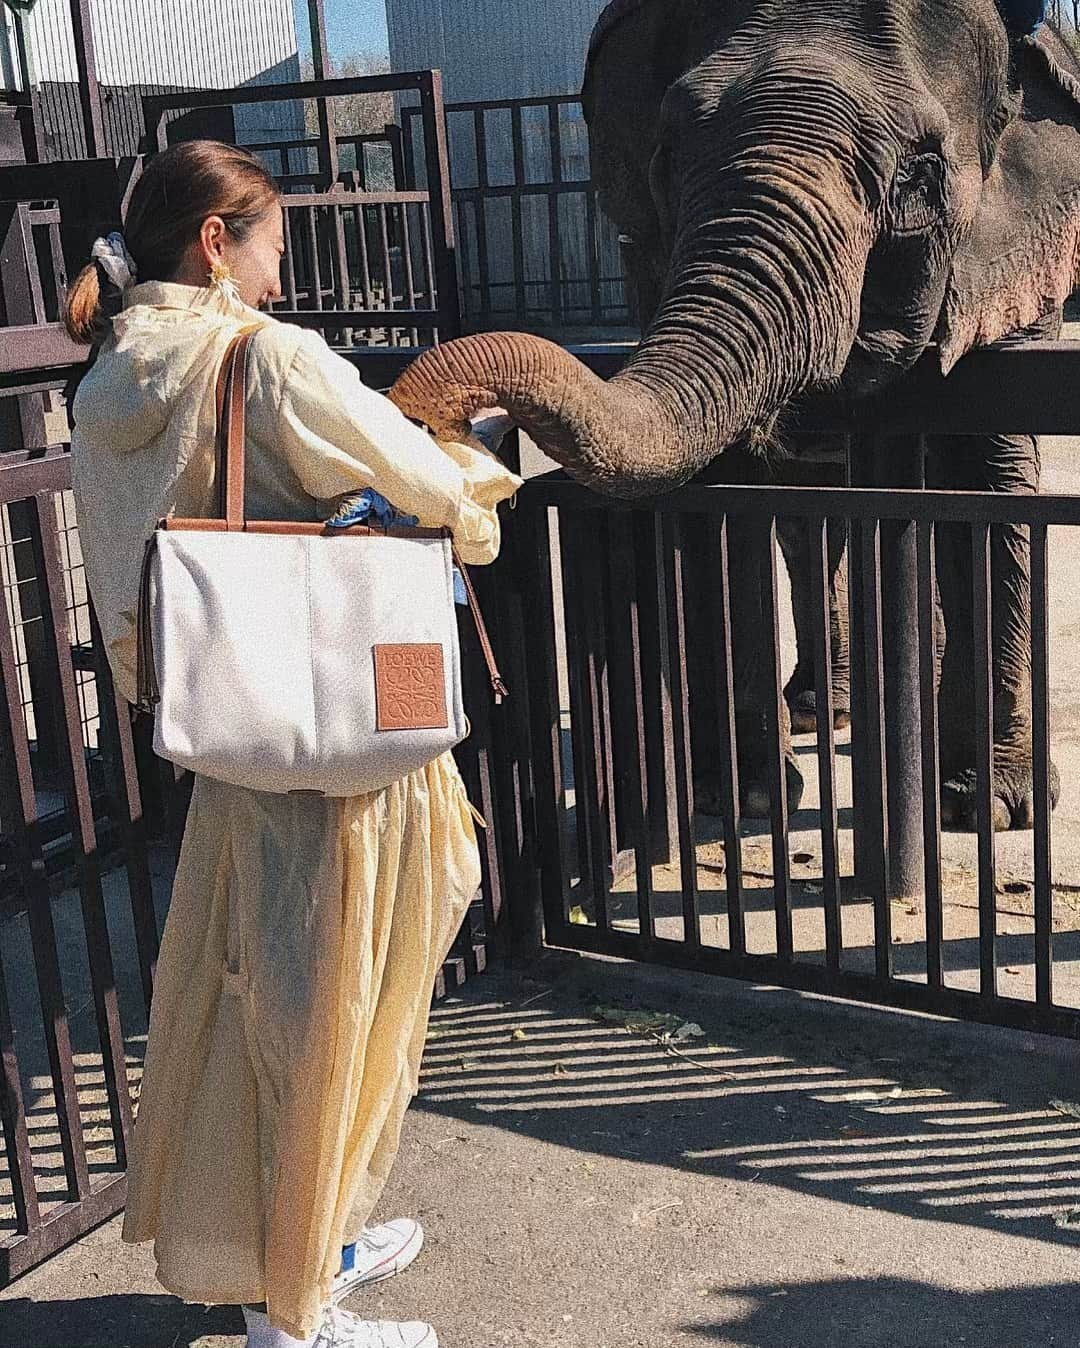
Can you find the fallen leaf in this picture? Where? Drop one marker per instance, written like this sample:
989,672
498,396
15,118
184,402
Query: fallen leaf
559,1070
854,1134
1069,1220
1066,1107
519,1035
803,858
689,1030
577,916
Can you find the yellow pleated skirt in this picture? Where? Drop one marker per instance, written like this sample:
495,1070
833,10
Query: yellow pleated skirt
289,1017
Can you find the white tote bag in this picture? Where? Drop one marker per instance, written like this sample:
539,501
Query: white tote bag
292,657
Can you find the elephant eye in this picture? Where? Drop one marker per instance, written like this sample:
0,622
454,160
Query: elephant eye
919,194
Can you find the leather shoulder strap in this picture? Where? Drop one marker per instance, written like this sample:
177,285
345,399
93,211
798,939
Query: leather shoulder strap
231,402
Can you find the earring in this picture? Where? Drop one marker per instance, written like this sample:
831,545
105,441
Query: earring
222,280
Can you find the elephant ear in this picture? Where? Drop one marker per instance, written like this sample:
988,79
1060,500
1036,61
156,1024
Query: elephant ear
638,48
1021,259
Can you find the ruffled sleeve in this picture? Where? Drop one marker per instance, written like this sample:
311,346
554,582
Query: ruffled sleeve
339,436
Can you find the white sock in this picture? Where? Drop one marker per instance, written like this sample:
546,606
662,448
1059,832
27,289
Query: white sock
261,1334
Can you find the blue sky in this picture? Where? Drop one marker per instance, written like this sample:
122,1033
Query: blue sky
356,26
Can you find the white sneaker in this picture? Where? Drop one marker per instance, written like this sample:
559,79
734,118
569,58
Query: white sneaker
380,1252
342,1329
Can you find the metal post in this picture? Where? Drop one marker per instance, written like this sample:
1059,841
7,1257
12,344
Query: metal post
86,63
328,158
441,202
898,462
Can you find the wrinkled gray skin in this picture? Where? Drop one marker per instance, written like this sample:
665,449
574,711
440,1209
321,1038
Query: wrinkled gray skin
814,191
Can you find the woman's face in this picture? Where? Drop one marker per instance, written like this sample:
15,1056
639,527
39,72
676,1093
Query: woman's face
255,262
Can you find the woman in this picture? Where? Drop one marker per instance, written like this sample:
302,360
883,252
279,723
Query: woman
304,934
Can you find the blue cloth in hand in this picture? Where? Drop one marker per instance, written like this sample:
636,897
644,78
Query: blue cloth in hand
369,507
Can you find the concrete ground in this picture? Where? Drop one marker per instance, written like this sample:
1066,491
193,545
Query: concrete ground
806,1175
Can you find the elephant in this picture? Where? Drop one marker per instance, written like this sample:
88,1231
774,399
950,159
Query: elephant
812,195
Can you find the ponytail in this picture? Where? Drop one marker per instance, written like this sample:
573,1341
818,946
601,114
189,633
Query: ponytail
178,190
92,303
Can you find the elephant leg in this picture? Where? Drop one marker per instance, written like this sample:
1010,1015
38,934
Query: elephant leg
1001,463
800,692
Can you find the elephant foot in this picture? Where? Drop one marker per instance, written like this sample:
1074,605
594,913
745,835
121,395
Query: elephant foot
1014,799
754,797
804,713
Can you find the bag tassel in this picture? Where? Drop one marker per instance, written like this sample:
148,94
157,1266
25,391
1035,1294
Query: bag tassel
147,690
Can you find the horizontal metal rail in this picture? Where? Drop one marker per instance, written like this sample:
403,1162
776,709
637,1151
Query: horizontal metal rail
1033,388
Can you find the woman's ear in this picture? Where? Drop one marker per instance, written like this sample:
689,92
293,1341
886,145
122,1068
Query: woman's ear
1021,258
212,239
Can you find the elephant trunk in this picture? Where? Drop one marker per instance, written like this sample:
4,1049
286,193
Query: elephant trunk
763,300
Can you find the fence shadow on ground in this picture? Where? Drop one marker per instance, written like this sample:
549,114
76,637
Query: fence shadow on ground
892,1313
114,1322
905,1114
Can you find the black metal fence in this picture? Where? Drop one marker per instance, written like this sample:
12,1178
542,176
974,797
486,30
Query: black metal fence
535,250
376,267
595,753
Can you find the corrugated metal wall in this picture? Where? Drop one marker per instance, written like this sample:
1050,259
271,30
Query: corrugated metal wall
517,49
494,48
159,45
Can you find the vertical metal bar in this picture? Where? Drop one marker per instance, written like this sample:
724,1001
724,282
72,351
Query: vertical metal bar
365,257
344,292
18,804
1040,746
930,758
328,159
554,237
774,713
878,808
482,260
516,222
290,258
406,253
818,541
408,147
628,695
116,725
388,280
442,206
680,718
33,273
475,758
593,260
537,582
82,31
315,294
984,757
718,567
77,789
586,659
20,1160
508,584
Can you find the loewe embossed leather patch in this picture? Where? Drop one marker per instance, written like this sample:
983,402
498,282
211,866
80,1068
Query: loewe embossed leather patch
410,688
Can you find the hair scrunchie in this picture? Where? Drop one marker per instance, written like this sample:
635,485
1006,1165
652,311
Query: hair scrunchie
112,255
